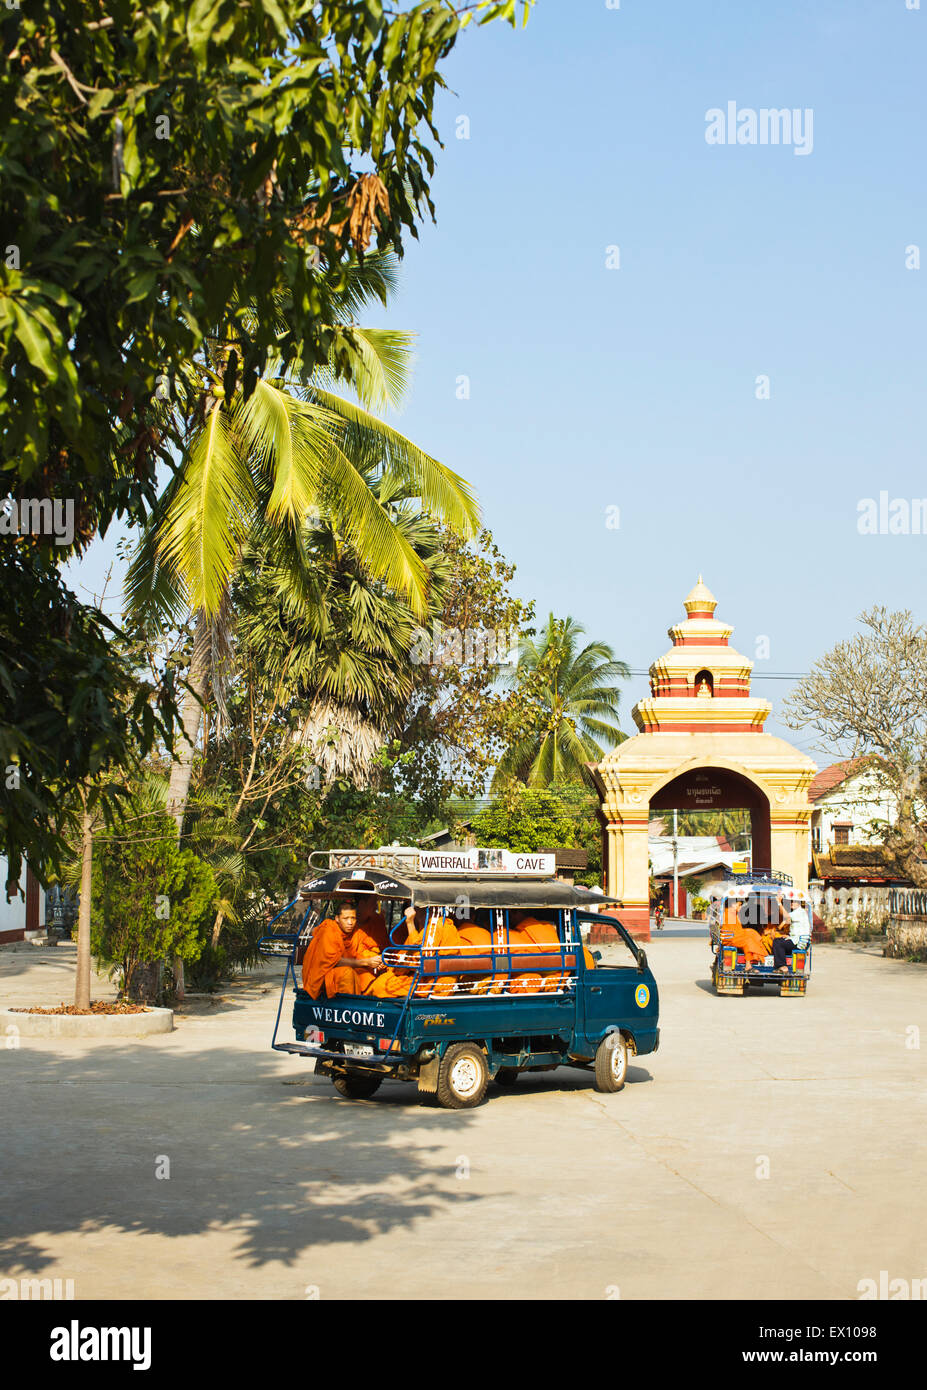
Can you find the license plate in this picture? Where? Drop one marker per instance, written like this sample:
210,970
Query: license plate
358,1049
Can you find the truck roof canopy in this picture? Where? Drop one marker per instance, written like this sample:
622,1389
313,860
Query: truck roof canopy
479,890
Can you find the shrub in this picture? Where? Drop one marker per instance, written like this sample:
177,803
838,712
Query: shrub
151,900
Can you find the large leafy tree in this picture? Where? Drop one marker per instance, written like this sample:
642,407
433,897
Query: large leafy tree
576,695
155,155
342,642
463,711
254,474
75,703
155,159
867,700
533,819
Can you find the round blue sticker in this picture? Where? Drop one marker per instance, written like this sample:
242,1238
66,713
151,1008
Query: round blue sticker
642,996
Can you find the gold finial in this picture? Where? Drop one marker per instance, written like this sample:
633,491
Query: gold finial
701,599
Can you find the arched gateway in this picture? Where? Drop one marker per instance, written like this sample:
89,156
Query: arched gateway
702,747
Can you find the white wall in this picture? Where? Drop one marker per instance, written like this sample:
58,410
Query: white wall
13,913
860,800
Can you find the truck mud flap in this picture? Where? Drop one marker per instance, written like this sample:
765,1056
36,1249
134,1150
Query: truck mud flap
428,1077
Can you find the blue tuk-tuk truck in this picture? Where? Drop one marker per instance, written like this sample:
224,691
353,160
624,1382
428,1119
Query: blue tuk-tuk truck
765,892
506,1012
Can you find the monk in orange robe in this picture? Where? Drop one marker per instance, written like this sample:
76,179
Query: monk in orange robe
520,943
327,964
367,942
744,937
431,935
541,933
469,934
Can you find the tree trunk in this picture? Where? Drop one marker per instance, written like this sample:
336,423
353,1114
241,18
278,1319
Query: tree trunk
217,929
82,986
182,767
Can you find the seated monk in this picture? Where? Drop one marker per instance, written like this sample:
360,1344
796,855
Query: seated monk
366,943
469,934
542,933
473,935
430,934
745,937
327,966
520,943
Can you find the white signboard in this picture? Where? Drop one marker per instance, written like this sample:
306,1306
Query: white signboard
482,861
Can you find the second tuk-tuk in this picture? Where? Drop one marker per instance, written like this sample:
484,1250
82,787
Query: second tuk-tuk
761,900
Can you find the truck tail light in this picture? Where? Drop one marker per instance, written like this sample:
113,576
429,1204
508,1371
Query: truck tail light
386,1046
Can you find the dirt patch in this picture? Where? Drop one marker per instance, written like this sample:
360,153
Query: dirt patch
101,1006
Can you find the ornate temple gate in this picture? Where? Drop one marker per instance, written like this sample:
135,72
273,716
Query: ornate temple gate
701,747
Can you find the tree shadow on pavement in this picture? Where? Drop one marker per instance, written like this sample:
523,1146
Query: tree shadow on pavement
285,1165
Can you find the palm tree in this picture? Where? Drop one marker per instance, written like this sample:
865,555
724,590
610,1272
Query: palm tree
732,824
577,698
295,447
345,650
256,469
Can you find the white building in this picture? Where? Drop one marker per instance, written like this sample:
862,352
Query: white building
848,804
23,916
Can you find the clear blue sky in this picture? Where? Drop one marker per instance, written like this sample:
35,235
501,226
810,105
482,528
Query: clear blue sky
635,388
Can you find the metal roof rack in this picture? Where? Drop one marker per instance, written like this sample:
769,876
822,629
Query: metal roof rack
764,876
387,857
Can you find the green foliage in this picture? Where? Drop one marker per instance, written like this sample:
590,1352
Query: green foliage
574,695
460,715
72,709
159,154
732,824
184,187
236,950
151,900
530,819
692,885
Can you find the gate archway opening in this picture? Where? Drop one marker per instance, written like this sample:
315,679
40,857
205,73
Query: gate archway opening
720,789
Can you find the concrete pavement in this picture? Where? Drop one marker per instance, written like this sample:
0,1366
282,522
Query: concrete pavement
279,1188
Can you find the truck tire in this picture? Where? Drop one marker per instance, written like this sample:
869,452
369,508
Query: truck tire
356,1085
507,1077
462,1077
611,1063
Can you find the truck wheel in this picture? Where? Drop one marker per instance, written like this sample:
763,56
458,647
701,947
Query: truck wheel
507,1077
611,1063
356,1085
462,1077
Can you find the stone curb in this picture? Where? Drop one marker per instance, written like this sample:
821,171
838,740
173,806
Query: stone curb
102,1026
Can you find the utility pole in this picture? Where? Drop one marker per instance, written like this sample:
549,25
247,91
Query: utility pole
675,868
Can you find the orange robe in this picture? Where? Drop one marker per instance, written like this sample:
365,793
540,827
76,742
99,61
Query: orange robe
750,942
519,944
367,939
320,963
472,935
396,982
375,928
543,934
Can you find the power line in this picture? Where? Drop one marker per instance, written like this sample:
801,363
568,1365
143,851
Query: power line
755,675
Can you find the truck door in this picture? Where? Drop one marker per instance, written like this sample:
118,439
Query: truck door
608,991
